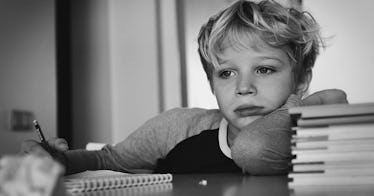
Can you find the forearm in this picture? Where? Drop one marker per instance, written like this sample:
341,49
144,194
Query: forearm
76,161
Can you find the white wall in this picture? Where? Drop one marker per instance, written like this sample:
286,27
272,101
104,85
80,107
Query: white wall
27,67
348,61
197,12
133,64
170,55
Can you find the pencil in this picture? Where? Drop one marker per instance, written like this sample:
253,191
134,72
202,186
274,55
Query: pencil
43,141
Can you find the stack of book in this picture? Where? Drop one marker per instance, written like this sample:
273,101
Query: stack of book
332,145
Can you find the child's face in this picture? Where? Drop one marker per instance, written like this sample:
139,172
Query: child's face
252,82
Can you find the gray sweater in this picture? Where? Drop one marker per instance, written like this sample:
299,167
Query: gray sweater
263,148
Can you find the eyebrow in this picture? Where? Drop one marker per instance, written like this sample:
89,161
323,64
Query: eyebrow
221,61
272,58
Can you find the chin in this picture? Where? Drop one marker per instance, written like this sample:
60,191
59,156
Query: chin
245,121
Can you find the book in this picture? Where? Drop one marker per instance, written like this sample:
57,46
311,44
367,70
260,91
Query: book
337,190
332,145
330,180
331,149
321,166
107,180
322,115
332,110
358,129
334,172
334,156
334,121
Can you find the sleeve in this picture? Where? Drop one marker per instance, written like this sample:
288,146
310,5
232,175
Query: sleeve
263,148
140,152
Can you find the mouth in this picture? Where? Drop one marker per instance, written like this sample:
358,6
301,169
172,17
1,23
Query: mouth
247,110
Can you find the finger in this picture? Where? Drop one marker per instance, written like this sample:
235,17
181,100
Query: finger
58,144
31,146
329,96
27,146
313,99
61,144
292,101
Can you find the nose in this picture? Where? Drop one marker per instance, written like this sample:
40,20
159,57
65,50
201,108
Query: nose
246,86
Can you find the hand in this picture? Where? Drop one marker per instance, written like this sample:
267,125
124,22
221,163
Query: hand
57,146
329,96
263,147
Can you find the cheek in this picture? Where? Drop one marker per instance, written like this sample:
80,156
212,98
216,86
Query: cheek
279,91
222,92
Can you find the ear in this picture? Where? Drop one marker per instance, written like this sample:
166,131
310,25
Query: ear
303,86
211,86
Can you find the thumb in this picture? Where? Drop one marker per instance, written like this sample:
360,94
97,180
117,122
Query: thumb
59,144
293,101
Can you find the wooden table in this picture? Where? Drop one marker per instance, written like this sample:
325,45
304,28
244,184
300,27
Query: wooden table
228,184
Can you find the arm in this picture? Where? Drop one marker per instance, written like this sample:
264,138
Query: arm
263,148
74,161
139,152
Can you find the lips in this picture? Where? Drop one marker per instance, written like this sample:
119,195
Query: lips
244,111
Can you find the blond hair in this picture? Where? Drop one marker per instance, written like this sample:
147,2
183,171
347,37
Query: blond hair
293,31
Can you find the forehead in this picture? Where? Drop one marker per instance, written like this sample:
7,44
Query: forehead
251,45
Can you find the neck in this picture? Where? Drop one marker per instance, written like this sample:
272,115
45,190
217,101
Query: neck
232,132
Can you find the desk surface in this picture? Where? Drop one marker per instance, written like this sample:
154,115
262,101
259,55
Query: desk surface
239,185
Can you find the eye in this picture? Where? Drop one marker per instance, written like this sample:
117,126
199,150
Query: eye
265,70
226,74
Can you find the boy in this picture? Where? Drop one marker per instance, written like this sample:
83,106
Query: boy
258,59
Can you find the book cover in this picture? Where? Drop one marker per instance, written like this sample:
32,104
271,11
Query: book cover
332,110
330,180
312,168
350,171
337,148
359,129
318,122
324,144
334,156
332,137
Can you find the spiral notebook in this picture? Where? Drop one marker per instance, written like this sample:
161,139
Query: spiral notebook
102,180
153,189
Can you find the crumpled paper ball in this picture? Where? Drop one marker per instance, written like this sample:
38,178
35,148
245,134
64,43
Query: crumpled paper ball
30,175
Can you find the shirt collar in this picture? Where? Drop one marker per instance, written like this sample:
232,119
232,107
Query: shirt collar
222,138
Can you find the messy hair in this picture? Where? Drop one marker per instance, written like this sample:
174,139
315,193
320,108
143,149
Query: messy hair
293,31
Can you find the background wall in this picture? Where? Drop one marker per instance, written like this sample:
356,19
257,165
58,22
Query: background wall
133,65
27,68
125,66
119,51
197,13
347,62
